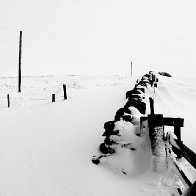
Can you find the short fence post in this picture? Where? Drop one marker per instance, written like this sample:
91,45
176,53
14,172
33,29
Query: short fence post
151,106
53,97
177,131
178,123
156,134
8,100
65,92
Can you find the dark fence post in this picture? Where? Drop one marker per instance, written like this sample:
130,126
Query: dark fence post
65,92
8,100
178,123
53,97
156,134
151,106
19,66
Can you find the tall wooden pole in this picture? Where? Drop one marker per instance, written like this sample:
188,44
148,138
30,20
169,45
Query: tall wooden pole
8,100
65,92
19,65
131,69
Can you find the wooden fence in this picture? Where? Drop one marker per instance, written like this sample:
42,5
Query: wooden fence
163,147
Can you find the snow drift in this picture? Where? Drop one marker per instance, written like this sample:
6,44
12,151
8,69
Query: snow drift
46,148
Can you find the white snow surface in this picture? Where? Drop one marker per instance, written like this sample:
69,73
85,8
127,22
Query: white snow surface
46,148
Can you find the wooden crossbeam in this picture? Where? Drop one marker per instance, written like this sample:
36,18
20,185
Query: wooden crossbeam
173,121
167,121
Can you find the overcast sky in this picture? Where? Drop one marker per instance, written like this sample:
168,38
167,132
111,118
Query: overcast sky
98,36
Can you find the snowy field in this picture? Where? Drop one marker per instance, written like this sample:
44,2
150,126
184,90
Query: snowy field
46,148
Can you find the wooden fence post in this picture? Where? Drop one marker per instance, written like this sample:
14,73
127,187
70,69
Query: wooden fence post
151,106
178,123
156,134
53,97
19,66
8,100
65,92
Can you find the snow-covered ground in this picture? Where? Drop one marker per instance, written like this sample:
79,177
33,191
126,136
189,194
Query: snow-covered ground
46,148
